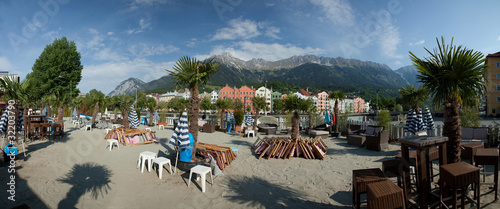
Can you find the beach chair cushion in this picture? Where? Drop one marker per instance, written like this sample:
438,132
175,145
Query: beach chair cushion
480,133
369,130
467,133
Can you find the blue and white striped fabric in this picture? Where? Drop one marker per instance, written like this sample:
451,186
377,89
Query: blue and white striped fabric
74,114
419,123
156,116
132,117
429,121
409,121
180,137
228,117
4,120
248,120
232,121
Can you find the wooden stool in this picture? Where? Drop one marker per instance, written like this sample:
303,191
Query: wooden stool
469,150
459,176
488,157
384,195
360,180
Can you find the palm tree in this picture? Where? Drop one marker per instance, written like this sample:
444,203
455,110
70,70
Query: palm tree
413,96
258,103
188,72
20,93
78,103
123,103
223,105
152,106
294,103
454,76
338,95
93,99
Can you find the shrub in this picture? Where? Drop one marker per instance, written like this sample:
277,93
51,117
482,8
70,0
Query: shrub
384,119
469,117
238,117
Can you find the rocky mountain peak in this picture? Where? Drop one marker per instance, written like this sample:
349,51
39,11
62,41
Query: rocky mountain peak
127,87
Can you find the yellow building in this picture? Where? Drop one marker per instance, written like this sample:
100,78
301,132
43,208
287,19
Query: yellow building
493,75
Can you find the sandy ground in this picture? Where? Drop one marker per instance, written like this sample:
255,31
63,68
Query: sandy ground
78,171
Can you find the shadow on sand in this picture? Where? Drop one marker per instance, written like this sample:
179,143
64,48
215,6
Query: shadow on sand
256,192
87,177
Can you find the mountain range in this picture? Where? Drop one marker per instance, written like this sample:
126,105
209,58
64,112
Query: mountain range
308,70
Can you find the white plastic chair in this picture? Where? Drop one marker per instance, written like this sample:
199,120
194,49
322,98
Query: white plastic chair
160,127
162,161
202,171
251,132
146,155
110,143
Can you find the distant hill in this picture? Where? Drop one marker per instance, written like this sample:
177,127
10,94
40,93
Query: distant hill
309,70
409,73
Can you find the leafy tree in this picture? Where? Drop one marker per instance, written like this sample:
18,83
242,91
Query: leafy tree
123,103
258,103
278,105
162,105
223,105
384,119
413,97
238,104
141,99
338,95
454,76
77,103
307,105
188,72
57,69
470,117
178,104
206,104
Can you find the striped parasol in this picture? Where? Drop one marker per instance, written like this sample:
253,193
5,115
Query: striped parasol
419,122
180,136
132,117
248,120
232,121
409,121
156,117
4,120
429,121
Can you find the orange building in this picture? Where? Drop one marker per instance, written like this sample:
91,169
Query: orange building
493,86
245,94
359,105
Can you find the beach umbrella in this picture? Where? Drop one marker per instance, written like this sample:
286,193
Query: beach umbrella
248,120
232,121
156,117
148,114
132,117
180,136
45,111
428,119
327,120
74,114
228,117
419,122
409,122
4,120
333,118
106,111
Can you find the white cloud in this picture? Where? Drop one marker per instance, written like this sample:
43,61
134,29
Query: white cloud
246,50
338,12
417,43
110,33
245,29
136,4
144,24
5,64
96,42
192,43
143,50
108,55
389,41
112,73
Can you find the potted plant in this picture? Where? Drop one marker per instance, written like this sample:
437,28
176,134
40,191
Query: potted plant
238,117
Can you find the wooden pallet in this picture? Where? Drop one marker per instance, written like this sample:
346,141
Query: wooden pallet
285,147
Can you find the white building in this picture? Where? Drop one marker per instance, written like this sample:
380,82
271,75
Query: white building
214,95
266,93
346,105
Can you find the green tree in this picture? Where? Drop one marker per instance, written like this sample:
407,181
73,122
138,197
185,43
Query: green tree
57,69
188,72
178,104
278,105
123,103
152,106
413,97
206,104
454,76
78,103
223,105
258,103
238,104
141,99
21,93
338,95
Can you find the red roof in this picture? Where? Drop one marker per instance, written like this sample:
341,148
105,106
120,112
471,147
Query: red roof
494,55
305,93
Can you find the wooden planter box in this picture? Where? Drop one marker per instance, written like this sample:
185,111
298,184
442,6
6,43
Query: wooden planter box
237,128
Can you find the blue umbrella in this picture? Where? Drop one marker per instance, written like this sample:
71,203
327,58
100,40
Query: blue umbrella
132,117
428,119
74,114
180,137
156,117
327,118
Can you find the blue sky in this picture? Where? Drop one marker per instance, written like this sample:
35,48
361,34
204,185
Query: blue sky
119,39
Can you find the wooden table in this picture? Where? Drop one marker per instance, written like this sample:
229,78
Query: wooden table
422,145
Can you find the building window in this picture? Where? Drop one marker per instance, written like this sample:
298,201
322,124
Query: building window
498,87
498,64
498,99
498,75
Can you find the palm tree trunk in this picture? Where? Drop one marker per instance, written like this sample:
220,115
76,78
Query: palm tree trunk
453,130
295,125
94,113
60,114
221,118
310,120
336,112
48,110
151,116
194,113
125,118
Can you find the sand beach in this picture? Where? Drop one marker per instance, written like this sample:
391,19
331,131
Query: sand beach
78,171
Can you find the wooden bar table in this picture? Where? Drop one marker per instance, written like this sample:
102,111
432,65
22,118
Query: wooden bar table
422,145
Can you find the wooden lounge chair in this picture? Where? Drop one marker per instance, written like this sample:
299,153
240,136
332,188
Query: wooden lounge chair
378,142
